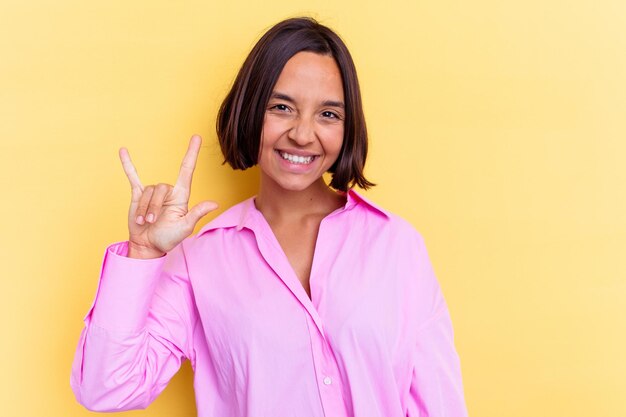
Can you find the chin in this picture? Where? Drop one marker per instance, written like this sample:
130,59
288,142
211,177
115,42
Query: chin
295,185
293,182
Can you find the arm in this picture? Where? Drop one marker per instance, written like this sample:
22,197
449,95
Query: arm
141,325
137,333
436,383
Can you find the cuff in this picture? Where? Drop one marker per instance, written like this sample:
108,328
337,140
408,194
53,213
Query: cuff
125,290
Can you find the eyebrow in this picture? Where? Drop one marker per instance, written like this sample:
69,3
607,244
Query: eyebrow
331,103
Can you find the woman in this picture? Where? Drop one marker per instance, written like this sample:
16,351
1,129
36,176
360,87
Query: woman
306,300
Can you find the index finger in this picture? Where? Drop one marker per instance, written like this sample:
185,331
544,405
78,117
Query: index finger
189,163
129,169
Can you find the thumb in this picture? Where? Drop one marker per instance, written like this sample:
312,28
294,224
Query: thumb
199,211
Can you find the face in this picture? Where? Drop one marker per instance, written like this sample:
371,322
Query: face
304,122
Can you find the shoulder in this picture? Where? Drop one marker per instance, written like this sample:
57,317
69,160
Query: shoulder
377,224
389,219
232,217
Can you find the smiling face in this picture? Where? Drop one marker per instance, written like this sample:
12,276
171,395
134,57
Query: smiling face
304,122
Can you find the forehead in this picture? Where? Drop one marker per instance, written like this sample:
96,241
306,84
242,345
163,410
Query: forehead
312,75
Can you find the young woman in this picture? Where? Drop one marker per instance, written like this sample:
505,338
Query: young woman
305,300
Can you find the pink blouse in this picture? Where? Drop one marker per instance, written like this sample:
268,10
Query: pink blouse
374,339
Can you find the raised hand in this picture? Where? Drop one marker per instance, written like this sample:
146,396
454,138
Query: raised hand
159,218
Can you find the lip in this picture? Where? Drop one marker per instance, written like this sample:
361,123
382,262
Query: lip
297,152
297,168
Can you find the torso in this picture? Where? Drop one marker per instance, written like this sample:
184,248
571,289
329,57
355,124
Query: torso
242,293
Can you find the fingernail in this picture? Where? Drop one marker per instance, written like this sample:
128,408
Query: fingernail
150,217
139,220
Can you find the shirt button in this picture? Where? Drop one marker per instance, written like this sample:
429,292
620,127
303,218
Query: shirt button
328,380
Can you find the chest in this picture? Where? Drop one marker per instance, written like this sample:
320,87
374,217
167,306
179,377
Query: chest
351,275
248,291
249,299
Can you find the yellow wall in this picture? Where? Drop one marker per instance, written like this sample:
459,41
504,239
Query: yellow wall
497,128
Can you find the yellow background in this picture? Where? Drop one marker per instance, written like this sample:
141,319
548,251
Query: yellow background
497,128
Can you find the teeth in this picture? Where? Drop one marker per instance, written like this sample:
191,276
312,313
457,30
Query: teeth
295,159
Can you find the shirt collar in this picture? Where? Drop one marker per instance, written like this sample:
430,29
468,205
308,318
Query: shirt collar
244,214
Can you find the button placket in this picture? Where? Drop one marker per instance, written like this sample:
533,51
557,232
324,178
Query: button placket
326,373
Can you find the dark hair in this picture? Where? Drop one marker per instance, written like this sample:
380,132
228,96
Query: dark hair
241,115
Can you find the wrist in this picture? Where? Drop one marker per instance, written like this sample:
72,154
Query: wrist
143,252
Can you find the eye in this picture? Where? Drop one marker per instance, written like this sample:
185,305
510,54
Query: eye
330,115
280,107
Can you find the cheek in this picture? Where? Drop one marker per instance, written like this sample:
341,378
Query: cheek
271,132
334,141
267,135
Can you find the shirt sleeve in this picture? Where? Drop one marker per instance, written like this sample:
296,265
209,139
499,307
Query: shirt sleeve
137,332
436,384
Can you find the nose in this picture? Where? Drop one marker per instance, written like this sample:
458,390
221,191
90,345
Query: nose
302,131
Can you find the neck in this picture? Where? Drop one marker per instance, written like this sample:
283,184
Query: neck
278,204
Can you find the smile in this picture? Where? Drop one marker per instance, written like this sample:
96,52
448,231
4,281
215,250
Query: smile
296,159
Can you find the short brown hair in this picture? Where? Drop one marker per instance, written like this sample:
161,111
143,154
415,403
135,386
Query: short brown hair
241,115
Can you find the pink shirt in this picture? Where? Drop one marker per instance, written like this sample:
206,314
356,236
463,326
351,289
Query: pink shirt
374,339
